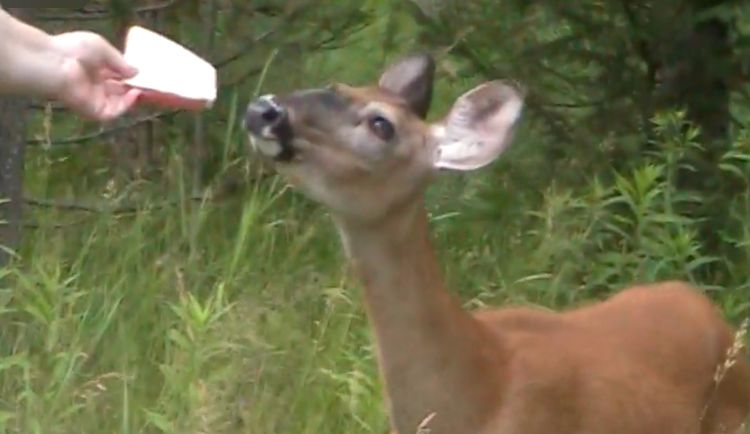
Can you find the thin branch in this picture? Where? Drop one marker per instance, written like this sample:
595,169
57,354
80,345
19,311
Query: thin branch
103,133
56,107
577,105
35,225
101,15
77,206
246,48
66,205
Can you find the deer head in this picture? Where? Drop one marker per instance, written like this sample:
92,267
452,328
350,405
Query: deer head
366,151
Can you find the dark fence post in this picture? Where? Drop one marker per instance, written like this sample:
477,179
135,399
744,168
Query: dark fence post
13,111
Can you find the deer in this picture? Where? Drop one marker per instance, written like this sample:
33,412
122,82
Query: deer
644,360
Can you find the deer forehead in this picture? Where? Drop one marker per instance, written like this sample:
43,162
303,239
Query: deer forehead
377,98
389,111
364,94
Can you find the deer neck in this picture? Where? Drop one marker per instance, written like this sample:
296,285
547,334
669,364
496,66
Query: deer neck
434,356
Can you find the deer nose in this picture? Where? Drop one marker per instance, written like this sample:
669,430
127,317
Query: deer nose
264,116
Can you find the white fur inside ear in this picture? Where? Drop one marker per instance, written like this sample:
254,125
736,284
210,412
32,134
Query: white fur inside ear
471,139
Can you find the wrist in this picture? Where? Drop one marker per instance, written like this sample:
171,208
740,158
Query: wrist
62,65
47,72
30,63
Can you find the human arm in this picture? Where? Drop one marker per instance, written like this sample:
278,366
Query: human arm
80,69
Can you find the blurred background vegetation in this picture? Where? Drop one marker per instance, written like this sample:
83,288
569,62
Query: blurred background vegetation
158,279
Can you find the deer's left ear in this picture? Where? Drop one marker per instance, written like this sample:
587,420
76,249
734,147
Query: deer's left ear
411,78
479,127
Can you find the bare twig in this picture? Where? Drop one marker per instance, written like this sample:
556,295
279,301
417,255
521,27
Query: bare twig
77,206
424,426
103,14
245,49
36,225
105,132
103,208
54,106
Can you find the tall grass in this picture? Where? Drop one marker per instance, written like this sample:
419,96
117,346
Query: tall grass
203,317
236,314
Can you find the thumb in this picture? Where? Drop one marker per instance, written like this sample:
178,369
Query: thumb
98,54
115,61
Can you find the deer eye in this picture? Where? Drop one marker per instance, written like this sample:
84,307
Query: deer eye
381,127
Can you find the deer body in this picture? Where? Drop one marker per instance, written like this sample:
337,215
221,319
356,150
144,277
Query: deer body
522,370
642,361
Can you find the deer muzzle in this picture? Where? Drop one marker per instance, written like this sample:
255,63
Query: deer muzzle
269,128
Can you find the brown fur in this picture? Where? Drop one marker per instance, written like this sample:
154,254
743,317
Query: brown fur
642,361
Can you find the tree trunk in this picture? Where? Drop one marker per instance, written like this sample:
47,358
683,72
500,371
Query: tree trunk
13,111
695,76
12,144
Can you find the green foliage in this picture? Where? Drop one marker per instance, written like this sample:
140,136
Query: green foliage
142,306
238,316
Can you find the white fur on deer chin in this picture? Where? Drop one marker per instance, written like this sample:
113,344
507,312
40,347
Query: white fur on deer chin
268,147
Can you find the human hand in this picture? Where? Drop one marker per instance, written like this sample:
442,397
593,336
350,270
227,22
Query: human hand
92,74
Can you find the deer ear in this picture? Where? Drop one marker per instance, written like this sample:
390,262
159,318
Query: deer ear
411,78
479,127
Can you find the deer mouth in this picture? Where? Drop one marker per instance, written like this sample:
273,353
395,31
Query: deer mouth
269,129
278,146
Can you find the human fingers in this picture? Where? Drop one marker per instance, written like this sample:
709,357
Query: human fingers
117,105
116,63
98,55
124,103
